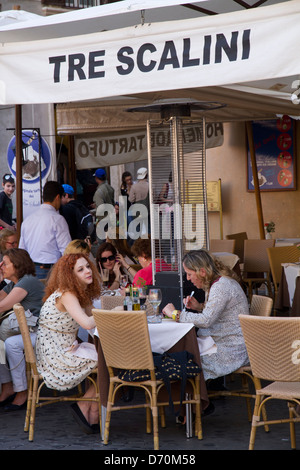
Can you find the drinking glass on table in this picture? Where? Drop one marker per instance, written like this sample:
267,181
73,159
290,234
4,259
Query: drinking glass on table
105,278
123,280
143,297
155,298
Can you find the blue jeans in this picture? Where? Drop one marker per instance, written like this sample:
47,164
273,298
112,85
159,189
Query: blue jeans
41,273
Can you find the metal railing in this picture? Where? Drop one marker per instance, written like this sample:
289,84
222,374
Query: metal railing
75,4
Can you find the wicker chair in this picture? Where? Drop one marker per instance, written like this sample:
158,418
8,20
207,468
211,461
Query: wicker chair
126,345
273,348
226,246
35,381
256,261
278,255
239,243
260,306
108,302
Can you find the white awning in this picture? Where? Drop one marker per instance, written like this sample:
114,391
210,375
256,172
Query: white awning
250,52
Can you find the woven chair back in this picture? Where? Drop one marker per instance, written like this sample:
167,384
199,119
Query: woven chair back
223,246
261,305
239,243
273,346
256,256
124,339
281,254
28,348
108,302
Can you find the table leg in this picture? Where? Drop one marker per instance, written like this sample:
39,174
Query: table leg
103,419
189,418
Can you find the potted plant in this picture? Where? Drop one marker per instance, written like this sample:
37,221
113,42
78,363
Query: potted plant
269,228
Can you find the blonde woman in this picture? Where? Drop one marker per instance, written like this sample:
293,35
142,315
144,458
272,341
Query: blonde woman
218,321
79,246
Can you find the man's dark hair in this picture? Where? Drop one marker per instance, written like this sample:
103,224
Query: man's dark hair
51,190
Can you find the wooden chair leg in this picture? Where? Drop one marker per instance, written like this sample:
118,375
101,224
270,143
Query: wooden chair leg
245,387
108,413
264,416
255,418
33,409
292,426
154,409
29,404
148,415
198,421
162,416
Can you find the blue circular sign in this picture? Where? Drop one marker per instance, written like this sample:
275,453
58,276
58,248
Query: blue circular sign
35,150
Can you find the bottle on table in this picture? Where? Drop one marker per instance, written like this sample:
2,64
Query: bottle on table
135,299
127,300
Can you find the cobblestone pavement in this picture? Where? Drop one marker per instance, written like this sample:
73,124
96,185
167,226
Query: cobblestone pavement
226,429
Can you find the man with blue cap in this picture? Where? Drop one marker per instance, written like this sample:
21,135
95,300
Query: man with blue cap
104,194
78,217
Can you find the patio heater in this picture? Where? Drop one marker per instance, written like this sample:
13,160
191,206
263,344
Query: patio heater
177,190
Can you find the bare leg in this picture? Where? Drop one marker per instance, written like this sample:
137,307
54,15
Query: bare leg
90,409
20,398
7,391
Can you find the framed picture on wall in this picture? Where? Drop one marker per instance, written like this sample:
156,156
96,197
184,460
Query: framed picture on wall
275,154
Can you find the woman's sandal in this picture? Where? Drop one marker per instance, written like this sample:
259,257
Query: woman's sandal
83,423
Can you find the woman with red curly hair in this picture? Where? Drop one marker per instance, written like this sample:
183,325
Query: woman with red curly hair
72,286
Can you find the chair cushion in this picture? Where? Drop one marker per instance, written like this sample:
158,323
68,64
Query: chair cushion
168,367
281,390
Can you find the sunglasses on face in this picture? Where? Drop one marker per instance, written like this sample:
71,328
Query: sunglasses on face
108,258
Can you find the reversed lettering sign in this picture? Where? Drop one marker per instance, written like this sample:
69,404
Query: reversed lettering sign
115,149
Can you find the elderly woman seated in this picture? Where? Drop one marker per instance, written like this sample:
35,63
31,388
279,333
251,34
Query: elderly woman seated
26,288
218,322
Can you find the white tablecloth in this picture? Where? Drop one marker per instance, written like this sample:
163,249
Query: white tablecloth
287,241
291,271
163,335
167,333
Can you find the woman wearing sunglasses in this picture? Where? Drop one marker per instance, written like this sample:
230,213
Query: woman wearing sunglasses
108,258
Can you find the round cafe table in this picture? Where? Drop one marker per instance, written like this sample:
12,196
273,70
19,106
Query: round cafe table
187,342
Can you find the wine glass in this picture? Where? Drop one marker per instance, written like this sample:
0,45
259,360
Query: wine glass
155,298
143,297
123,280
105,278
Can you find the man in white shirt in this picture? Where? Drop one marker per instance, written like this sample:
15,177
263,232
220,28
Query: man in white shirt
45,233
139,193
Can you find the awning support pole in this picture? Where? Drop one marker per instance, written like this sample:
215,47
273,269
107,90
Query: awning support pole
19,174
255,180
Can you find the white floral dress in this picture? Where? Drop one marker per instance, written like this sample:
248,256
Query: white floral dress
57,331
